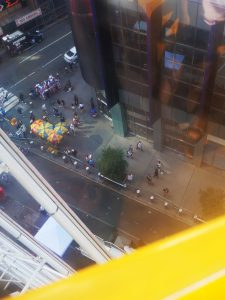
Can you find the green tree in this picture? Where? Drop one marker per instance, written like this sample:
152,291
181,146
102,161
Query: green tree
112,163
212,201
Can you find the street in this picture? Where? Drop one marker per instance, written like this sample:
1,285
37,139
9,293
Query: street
107,213
23,71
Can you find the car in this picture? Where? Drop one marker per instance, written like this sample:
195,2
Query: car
71,56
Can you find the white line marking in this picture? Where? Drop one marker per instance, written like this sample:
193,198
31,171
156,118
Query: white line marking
31,74
45,47
51,60
18,82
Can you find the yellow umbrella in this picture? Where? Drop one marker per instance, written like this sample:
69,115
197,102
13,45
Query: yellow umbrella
45,129
54,138
36,125
60,128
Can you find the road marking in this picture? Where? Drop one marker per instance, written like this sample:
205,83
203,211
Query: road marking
18,82
51,60
31,74
25,59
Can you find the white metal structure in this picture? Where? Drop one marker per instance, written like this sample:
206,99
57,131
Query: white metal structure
45,195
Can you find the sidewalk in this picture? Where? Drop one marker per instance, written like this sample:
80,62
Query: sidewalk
183,179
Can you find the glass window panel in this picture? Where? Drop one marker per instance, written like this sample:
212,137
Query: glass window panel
186,52
131,39
114,15
120,69
143,42
182,89
186,74
133,73
194,93
202,39
197,77
218,101
132,20
199,59
132,57
143,60
117,36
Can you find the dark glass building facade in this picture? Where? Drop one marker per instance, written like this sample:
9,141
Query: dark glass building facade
160,62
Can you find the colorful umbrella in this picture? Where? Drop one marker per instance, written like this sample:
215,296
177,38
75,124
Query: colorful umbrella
45,129
60,128
54,138
36,125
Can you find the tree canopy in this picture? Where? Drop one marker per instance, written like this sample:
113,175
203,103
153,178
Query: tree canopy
112,163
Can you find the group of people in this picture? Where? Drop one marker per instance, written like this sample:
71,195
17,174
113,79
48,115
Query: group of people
48,87
130,151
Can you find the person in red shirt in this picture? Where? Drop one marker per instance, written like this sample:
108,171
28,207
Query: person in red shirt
2,193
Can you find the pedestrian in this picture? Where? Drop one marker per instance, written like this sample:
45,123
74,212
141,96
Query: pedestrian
19,110
149,179
19,124
57,76
81,107
32,117
91,162
21,97
73,106
76,101
130,177
129,153
2,194
92,103
156,173
74,152
62,118
55,111
158,165
139,146
58,102
44,108
72,129
63,103
165,191
75,121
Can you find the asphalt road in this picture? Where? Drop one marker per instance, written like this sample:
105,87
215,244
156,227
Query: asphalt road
19,73
105,211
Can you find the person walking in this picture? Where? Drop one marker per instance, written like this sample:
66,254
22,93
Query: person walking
159,166
72,129
130,177
32,117
44,108
73,107
165,191
76,101
139,146
156,173
149,179
58,102
63,103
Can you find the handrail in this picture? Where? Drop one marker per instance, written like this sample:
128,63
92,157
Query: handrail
188,265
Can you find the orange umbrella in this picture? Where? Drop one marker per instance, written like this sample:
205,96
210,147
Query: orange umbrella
36,125
54,138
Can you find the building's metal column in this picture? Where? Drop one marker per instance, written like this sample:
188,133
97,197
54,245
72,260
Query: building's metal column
46,196
20,234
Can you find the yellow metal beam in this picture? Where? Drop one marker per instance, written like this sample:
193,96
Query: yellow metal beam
189,265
